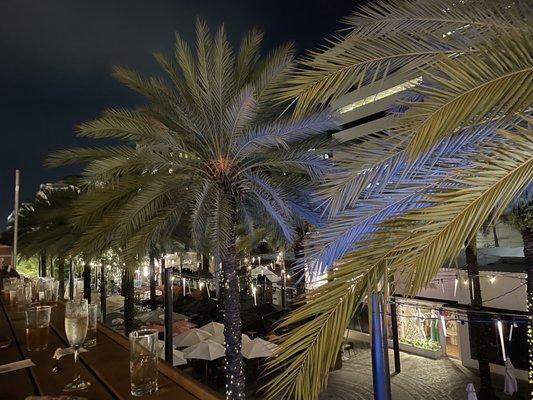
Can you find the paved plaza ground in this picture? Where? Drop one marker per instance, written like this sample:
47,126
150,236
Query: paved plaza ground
420,379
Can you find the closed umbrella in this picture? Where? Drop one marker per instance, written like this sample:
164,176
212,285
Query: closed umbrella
258,348
219,338
510,386
213,328
471,390
206,350
190,337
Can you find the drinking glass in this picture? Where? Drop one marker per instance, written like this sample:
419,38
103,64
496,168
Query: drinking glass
76,320
143,361
90,339
55,291
37,323
23,292
78,289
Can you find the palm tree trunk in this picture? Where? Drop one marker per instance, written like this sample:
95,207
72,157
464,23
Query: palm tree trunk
42,262
103,294
152,282
480,332
298,255
129,298
232,321
87,282
527,237
61,278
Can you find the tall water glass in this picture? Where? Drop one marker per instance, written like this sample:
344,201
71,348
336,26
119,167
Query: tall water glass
76,321
143,361
90,340
37,327
78,289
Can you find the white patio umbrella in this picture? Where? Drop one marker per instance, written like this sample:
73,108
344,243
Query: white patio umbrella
150,317
219,338
178,357
206,350
213,328
258,348
510,386
190,337
114,303
471,390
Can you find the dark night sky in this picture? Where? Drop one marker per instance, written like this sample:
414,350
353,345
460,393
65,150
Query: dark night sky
56,57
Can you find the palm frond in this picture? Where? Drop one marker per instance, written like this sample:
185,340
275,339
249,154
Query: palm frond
445,17
472,89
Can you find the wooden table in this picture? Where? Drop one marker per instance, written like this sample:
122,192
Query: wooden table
106,366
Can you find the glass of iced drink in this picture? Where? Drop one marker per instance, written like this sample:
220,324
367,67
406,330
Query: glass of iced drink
90,339
37,326
143,361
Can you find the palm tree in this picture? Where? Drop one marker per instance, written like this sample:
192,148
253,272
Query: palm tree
211,147
45,227
404,203
521,217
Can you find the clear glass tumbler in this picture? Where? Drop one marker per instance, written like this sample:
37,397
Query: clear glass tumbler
143,361
37,327
90,339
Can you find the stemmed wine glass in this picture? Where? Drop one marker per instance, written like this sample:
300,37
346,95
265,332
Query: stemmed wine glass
76,321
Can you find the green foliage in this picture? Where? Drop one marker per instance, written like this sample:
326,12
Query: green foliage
28,266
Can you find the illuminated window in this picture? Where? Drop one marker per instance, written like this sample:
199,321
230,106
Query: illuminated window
378,96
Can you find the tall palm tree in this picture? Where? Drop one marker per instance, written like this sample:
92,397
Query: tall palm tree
521,217
404,203
211,147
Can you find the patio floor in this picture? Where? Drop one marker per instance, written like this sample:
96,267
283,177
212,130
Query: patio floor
420,379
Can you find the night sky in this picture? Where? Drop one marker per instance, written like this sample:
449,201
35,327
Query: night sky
56,57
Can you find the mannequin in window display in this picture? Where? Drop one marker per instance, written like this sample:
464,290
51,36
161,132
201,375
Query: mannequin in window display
434,327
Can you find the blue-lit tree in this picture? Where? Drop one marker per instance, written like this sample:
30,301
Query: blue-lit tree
405,202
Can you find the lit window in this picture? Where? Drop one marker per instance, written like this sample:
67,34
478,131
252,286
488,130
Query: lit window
378,96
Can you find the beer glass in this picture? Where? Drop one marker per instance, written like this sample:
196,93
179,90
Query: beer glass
37,326
143,361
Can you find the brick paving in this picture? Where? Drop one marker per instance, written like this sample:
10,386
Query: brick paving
420,379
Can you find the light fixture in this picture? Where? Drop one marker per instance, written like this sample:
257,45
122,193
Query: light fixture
500,331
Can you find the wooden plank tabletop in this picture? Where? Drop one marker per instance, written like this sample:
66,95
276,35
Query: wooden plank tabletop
106,366
25,385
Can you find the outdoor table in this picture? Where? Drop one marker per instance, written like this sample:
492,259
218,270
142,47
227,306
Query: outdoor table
106,365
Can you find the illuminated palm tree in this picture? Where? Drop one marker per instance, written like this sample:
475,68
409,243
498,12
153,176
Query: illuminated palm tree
405,202
211,147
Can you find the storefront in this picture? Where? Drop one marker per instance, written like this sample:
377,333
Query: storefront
426,330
